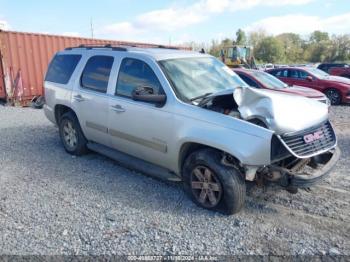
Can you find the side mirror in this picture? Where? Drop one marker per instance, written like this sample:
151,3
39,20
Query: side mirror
309,78
146,94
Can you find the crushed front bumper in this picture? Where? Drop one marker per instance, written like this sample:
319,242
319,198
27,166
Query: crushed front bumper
322,165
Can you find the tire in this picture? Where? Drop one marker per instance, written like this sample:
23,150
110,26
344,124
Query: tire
334,96
71,135
226,183
38,102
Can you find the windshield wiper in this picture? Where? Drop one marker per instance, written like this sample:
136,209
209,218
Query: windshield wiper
201,96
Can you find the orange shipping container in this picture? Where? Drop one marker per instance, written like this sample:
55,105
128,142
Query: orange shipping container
24,58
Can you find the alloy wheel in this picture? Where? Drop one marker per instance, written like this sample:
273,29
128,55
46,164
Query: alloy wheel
70,135
333,96
206,187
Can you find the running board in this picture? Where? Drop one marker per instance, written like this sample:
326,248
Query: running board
134,163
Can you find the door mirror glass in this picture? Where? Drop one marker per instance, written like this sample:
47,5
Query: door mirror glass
147,94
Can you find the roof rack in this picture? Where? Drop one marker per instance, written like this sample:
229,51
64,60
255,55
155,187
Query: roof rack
120,47
114,48
168,47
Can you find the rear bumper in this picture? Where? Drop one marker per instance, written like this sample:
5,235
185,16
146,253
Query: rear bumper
322,167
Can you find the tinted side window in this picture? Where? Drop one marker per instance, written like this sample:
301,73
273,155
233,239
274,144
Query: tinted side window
249,81
303,74
323,67
275,72
284,73
61,68
293,74
136,73
96,73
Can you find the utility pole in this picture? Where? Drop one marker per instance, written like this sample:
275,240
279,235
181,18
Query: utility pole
91,28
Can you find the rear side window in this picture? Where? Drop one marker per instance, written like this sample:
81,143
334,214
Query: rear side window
61,68
96,73
293,74
136,73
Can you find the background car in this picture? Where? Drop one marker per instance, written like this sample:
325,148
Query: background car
336,88
264,80
327,66
336,69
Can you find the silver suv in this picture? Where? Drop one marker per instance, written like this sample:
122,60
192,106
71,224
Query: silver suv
185,116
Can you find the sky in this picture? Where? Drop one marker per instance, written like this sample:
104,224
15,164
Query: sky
174,22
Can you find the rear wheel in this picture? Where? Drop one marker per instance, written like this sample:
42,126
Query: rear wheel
212,185
71,135
334,96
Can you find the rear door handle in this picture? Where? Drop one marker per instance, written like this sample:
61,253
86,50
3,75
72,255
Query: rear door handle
78,98
118,108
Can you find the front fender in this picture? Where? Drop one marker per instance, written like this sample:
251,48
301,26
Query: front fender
247,148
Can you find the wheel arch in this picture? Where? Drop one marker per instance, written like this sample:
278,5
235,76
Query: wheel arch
336,89
61,109
188,148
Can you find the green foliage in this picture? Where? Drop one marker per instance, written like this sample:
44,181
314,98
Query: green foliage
241,38
290,47
270,49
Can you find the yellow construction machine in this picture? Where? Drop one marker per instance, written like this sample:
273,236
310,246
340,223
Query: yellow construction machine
238,56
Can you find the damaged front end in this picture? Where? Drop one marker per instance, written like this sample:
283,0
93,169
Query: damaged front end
303,158
302,173
304,146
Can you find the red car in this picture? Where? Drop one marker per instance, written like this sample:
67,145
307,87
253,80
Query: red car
336,69
340,71
260,79
336,88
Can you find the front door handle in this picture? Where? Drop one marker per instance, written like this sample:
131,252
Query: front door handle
78,98
118,108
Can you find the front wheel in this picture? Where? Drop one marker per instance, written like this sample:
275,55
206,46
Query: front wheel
212,185
334,96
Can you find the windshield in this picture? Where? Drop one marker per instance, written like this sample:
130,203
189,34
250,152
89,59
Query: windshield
318,73
268,80
194,77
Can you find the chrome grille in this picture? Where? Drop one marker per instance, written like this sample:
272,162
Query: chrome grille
311,141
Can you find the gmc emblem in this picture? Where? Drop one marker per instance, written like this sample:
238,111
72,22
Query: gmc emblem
313,137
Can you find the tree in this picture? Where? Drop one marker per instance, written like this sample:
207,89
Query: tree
269,50
290,47
339,49
241,38
292,44
255,37
319,36
216,47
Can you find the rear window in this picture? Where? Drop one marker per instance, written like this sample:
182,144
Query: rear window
61,68
96,73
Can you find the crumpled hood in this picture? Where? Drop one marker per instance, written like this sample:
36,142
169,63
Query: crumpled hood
282,113
338,79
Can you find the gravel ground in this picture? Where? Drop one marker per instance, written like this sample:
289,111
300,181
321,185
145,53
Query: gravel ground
53,203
